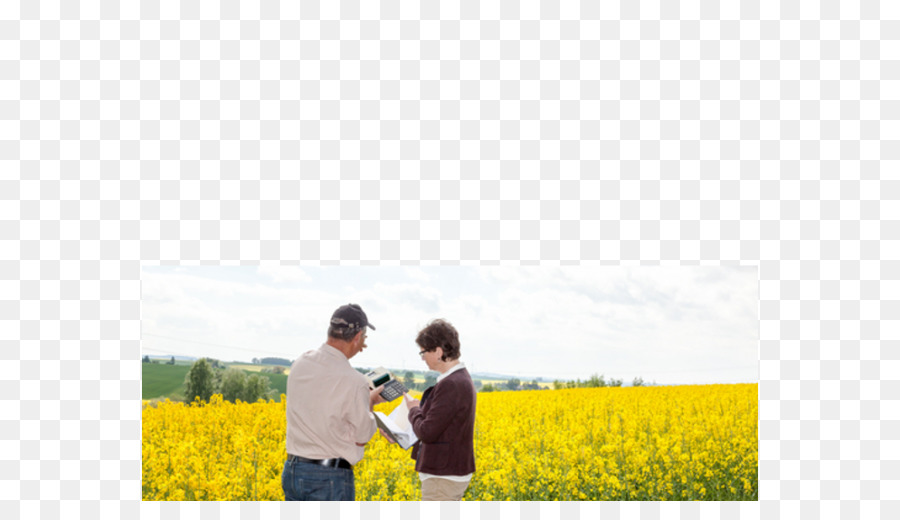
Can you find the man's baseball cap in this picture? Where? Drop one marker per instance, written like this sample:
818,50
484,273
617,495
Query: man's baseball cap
350,316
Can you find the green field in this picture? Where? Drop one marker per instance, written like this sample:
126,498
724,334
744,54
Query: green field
162,381
158,380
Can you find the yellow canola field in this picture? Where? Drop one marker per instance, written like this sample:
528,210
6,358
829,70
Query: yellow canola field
646,443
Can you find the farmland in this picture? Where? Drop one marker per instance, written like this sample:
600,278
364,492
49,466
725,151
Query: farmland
644,443
160,381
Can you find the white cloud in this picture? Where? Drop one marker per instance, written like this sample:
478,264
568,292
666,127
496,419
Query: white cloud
280,273
417,274
672,324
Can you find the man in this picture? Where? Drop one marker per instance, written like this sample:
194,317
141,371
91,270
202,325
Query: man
329,419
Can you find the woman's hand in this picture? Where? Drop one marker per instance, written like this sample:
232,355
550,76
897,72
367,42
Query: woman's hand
411,402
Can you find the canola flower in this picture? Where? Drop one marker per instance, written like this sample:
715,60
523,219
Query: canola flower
645,443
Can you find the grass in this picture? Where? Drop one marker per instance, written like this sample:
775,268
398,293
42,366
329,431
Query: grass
158,380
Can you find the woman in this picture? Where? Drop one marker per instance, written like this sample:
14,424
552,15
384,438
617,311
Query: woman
444,421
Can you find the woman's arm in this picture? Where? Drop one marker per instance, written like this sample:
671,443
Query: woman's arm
432,419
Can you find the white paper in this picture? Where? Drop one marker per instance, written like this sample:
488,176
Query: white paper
398,425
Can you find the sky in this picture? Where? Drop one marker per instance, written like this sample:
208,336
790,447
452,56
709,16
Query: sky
664,324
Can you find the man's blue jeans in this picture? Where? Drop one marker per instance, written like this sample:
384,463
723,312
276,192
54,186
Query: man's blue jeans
305,481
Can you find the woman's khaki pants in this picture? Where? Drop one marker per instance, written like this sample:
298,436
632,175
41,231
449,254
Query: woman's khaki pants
436,488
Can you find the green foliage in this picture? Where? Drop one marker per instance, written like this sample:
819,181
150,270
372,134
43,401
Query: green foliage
255,388
513,384
430,380
146,359
277,382
595,381
232,384
488,388
199,381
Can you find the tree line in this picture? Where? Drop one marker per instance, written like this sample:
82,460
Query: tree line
272,361
511,385
515,384
595,381
203,380
156,361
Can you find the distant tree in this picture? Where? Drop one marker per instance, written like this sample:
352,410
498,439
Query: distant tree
146,359
637,382
409,379
430,380
278,370
513,384
255,388
232,384
171,361
595,381
199,381
478,384
275,361
558,385
615,382
255,361
488,388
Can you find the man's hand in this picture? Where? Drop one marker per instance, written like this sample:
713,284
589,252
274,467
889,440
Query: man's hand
411,402
375,397
386,436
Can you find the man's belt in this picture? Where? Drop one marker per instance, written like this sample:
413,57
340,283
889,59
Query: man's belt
330,463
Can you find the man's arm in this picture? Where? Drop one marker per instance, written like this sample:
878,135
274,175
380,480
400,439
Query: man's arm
374,398
361,419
